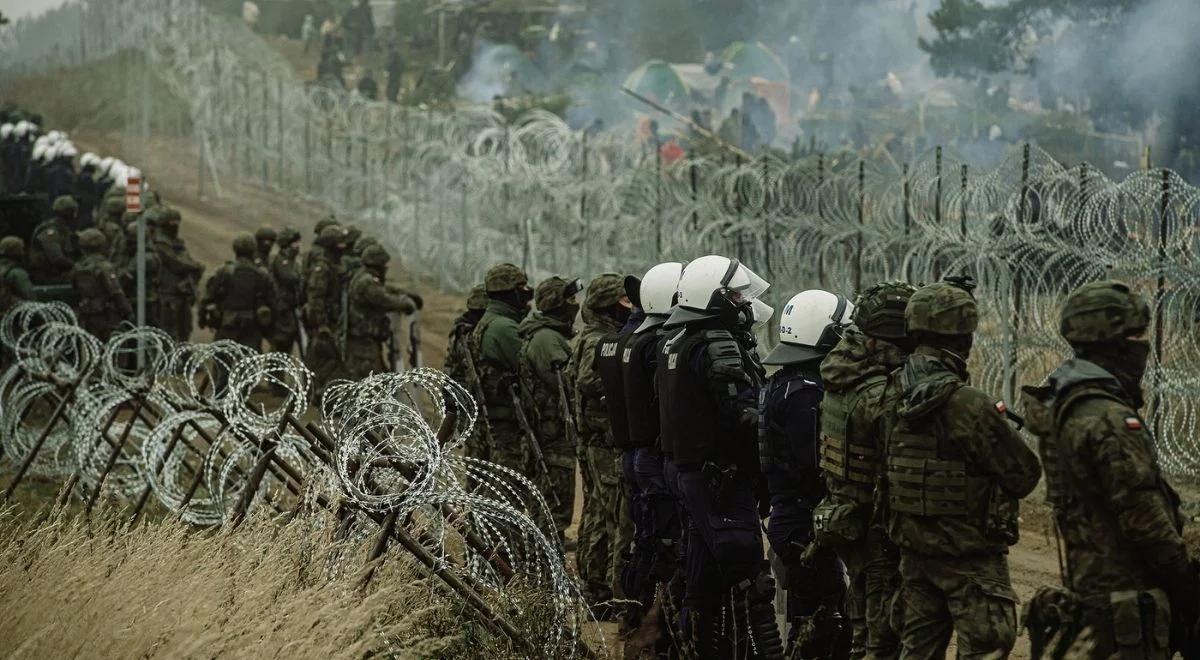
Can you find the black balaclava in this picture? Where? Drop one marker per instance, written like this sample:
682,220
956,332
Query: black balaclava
519,298
1124,358
956,348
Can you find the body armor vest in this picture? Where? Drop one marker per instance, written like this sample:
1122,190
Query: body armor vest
609,352
789,460
849,455
926,474
700,433
364,321
638,362
88,280
666,432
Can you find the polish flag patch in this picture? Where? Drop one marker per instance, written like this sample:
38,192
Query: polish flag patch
1133,423
1001,407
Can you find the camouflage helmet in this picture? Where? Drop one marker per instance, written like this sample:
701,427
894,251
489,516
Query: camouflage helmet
375,256
1103,311
477,299
114,206
65,206
265,234
288,235
553,292
244,245
12,247
169,214
504,277
332,236
943,308
605,291
354,233
92,240
879,311
364,242
323,223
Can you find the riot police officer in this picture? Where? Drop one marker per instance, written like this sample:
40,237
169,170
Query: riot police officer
709,379
789,416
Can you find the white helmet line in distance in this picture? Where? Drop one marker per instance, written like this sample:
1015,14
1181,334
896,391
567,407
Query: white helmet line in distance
810,326
714,284
657,293
6,131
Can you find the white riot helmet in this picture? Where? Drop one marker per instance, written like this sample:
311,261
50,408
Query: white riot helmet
89,159
34,129
57,136
715,286
67,150
38,153
104,166
657,293
810,326
21,129
6,131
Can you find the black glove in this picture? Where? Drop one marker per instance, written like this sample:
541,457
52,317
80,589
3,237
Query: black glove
418,301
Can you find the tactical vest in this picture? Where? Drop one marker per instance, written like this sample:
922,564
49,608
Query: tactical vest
789,462
688,407
541,400
666,432
609,353
927,475
641,401
239,295
848,455
365,321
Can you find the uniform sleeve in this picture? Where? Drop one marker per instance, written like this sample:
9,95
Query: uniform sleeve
19,284
1115,451
112,284
997,448
51,244
379,297
317,286
505,345
212,288
547,354
720,364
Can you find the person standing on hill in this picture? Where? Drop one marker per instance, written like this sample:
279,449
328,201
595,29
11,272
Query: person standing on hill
179,276
102,303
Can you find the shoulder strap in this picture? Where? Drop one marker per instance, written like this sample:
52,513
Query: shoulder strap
1078,395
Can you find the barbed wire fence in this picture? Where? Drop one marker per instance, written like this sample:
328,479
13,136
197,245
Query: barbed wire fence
212,434
452,191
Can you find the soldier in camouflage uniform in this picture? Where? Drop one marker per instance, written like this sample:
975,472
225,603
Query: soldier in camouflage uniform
110,222
179,276
606,308
53,252
495,348
855,374
285,271
102,304
15,285
323,306
1127,570
955,470
238,298
264,240
371,304
545,347
461,367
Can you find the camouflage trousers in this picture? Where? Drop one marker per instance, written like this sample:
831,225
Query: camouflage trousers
972,597
176,317
598,556
324,362
508,446
873,566
558,486
364,357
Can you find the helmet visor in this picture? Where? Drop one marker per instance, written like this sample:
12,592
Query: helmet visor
744,281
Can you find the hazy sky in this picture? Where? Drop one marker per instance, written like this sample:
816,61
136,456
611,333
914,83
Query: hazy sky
19,8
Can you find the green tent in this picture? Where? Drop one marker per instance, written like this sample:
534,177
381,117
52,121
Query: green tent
754,60
657,81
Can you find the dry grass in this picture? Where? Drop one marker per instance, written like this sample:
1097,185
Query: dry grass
74,589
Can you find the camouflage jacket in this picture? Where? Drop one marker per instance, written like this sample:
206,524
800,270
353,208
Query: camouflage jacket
371,300
52,252
15,286
239,292
285,270
1118,517
99,289
545,349
178,272
496,348
587,399
851,422
322,289
458,352
955,467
